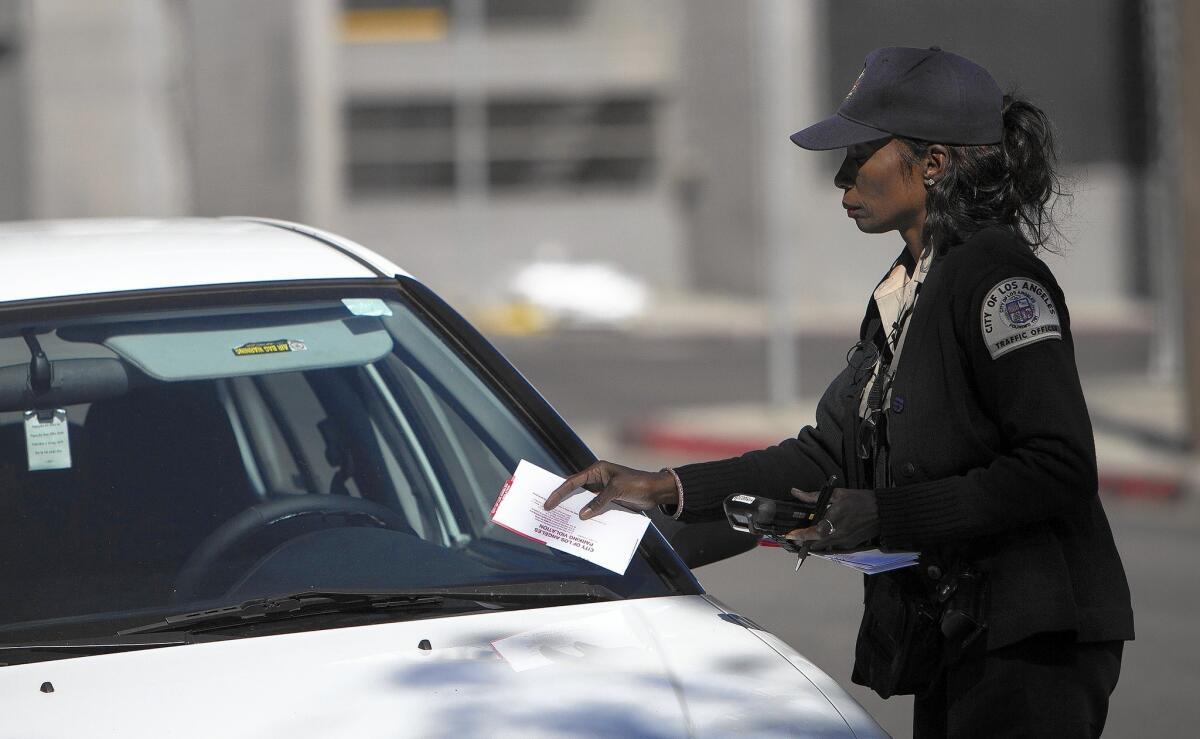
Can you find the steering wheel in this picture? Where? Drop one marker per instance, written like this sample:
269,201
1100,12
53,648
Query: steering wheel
299,513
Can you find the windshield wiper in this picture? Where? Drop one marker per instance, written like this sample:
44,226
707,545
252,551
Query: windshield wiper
84,646
284,607
320,602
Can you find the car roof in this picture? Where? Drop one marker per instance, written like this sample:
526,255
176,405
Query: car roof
46,259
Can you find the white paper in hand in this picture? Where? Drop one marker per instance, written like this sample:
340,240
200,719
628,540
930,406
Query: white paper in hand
608,540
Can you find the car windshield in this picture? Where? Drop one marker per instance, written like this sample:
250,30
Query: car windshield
166,460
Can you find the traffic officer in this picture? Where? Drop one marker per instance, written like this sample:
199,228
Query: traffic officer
959,428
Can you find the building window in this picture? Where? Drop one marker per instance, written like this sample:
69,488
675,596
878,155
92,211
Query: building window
533,143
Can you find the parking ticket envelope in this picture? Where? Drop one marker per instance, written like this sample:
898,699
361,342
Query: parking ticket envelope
608,540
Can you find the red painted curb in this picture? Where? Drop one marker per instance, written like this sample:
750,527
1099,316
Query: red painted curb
1121,485
1142,487
665,440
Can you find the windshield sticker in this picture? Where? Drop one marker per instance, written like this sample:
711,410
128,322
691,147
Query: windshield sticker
367,306
278,346
47,446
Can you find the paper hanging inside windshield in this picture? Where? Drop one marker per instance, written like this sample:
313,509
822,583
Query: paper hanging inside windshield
47,441
608,540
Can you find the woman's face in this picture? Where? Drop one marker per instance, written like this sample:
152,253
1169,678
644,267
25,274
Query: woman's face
881,191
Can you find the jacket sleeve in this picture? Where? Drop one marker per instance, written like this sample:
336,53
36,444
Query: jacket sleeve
1028,385
804,462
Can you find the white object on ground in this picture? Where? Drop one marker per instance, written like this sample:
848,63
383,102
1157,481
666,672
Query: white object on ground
589,293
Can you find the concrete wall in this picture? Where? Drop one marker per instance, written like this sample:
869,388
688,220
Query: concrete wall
719,189
14,163
246,114
159,108
102,110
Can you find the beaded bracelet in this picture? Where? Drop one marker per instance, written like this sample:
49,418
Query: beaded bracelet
678,489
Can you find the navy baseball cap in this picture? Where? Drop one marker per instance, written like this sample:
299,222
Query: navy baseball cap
925,94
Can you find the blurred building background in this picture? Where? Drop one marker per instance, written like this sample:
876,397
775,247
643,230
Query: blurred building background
465,138
470,139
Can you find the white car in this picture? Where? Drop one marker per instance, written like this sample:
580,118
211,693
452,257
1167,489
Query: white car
246,469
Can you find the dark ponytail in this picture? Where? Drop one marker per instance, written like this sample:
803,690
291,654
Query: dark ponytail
1013,183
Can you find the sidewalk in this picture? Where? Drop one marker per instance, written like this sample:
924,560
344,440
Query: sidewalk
1139,431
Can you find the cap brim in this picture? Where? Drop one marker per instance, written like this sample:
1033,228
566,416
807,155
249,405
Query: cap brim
836,132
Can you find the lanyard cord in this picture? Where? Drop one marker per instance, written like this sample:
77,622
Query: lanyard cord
872,431
885,368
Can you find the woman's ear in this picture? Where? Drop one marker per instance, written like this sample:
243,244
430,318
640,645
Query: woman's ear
936,159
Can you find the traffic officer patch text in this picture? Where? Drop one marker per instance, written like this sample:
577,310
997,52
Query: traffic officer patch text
1017,312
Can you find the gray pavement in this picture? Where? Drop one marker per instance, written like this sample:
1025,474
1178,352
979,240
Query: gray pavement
607,383
615,376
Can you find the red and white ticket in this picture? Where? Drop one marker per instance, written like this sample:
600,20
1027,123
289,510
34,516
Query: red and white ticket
608,540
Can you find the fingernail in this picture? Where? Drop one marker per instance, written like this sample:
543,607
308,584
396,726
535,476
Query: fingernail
585,513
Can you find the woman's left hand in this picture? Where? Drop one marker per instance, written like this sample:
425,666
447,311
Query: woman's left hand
850,521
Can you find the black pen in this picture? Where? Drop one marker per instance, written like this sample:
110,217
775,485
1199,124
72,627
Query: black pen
818,511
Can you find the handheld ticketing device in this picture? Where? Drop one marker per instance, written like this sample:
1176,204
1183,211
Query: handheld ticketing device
772,519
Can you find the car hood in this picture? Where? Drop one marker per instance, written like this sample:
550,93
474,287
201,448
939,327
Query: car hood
674,666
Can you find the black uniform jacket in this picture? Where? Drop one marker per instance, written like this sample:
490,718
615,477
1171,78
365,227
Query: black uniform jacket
991,459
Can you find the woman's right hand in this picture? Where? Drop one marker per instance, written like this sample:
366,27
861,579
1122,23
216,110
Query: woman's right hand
635,489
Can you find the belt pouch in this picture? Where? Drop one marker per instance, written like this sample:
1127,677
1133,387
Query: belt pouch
899,649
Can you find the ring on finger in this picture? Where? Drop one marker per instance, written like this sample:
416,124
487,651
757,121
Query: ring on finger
825,527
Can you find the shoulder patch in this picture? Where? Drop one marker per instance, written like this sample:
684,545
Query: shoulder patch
1017,312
